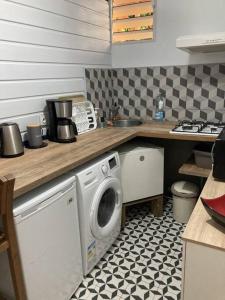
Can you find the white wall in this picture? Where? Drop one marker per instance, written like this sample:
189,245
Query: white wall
174,18
44,47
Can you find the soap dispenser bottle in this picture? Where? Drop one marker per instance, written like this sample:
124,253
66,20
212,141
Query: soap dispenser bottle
159,107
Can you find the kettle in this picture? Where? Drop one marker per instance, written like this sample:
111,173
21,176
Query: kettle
11,144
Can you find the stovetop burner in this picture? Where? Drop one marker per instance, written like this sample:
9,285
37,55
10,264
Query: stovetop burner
198,127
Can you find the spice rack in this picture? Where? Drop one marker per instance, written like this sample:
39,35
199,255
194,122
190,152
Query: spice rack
132,20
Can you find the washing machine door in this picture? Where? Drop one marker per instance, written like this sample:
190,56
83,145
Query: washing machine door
106,208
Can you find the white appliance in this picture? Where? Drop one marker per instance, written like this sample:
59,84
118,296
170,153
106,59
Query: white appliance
213,42
99,204
84,116
47,227
142,171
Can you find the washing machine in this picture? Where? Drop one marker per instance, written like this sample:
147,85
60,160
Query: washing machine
99,196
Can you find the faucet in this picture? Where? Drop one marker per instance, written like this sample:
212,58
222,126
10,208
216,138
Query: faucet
114,112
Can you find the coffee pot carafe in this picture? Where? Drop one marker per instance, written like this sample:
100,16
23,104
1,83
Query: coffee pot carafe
11,144
66,129
61,128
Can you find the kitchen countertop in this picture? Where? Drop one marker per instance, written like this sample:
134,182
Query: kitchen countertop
201,228
162,130
41,165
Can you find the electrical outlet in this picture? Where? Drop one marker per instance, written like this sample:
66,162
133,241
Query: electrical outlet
43,119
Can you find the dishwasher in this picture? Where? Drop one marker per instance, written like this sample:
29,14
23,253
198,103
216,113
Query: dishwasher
47,228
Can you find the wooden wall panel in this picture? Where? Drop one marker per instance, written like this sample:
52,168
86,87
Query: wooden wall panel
21,33
13,12
71,10
44,49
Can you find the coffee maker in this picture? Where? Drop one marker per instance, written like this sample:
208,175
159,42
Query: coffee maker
61,128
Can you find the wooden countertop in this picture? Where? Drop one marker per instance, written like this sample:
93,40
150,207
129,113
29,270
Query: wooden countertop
201,228
162,130
41,165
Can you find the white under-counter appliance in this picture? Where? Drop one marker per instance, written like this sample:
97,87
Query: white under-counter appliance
47,228
100,204
142,170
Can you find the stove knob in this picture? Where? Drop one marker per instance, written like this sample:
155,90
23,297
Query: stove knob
104,169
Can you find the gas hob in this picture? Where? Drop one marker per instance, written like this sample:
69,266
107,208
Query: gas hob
198,128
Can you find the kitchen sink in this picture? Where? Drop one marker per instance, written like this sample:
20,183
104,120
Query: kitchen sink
127,123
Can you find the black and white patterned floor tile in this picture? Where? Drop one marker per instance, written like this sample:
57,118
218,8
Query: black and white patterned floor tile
144,263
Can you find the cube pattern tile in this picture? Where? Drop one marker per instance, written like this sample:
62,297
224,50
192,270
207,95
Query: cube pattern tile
144,263
191,92
99,88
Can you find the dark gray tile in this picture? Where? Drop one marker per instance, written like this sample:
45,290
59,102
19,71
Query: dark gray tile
222,69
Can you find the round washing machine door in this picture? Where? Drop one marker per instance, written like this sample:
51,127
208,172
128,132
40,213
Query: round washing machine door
106,208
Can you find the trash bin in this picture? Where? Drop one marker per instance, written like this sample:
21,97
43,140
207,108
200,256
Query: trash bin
185,195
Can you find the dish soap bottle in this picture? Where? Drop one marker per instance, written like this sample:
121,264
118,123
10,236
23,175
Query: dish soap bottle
159,107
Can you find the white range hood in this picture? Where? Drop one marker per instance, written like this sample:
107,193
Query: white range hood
213,42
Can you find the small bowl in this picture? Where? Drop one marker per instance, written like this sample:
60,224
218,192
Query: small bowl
215,208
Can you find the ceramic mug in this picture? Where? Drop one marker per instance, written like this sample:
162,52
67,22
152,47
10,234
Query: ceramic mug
34,135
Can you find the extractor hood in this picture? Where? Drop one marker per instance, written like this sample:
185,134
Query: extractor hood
213,42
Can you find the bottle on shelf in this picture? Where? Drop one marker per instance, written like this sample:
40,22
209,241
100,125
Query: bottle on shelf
159,107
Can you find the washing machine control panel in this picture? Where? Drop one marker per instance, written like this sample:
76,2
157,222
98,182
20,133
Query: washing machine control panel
105,169
112,163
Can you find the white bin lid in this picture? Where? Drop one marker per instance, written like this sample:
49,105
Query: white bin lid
185,189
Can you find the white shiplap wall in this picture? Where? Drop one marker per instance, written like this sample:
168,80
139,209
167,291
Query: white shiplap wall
44,48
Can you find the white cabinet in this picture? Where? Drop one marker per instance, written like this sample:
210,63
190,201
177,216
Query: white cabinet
203,272
142,169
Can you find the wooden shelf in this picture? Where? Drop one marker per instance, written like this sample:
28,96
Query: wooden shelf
133,31
190,168
143,40
132,3
132,19
136,35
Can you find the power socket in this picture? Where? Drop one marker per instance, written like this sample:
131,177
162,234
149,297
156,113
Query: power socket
43,119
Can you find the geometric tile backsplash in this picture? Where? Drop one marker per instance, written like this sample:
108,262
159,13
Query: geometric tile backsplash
99,88
191,91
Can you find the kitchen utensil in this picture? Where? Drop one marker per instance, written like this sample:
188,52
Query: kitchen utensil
34,135
84,116
66,130
11,140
